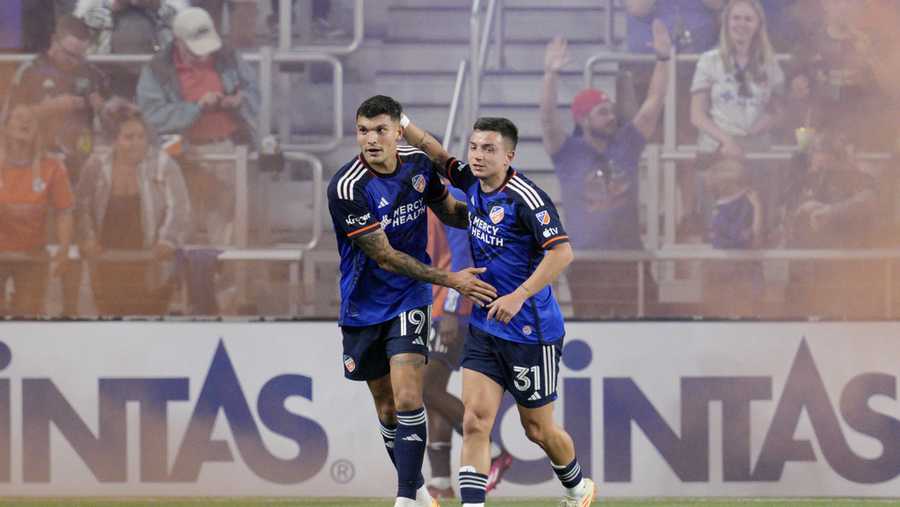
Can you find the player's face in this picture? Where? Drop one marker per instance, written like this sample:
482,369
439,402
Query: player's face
377,138
489,154
601,121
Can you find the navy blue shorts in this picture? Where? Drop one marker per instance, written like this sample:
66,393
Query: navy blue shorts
448,354
368,349
527,370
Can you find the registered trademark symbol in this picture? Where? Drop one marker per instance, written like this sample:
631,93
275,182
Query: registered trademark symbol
342,471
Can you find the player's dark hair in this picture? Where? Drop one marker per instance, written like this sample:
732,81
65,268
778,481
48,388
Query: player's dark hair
502,126
378,105
70,25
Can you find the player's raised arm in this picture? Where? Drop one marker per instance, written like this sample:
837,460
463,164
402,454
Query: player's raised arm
375,244
421,139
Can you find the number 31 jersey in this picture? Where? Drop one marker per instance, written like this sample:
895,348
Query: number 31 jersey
509,230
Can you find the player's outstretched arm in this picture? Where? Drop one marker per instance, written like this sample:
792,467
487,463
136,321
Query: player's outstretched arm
548,270
452,212
424,141
376,245
648,115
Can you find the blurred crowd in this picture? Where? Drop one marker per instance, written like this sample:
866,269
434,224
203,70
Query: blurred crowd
118,158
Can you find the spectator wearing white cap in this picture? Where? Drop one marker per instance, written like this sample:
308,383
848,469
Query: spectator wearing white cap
203,91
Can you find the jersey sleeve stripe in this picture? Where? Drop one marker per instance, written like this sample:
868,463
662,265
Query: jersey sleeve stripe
409,150
554,240
355,180
525,196
528,188
344,185
363,229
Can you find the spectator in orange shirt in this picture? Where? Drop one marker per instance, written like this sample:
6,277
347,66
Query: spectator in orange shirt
31,183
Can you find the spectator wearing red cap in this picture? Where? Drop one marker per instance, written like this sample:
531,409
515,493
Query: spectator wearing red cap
597,167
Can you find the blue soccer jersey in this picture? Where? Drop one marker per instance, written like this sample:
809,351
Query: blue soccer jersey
360,201
509,229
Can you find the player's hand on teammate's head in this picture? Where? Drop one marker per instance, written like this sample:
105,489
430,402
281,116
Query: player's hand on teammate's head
467,283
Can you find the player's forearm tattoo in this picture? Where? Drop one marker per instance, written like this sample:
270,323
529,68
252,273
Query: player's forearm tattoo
434,150
454,215
377,247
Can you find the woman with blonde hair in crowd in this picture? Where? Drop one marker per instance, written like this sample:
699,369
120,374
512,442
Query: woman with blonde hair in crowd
132,198
736,92
31,184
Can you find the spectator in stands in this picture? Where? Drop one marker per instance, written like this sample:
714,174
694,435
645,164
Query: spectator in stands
206,93
132,198
733,288
694,28
31,184
129,27
65,90
735,99
597,167
242,16
843,54
833,206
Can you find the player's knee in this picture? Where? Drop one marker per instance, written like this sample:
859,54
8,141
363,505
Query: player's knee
407,399
387,411
535,432
475,424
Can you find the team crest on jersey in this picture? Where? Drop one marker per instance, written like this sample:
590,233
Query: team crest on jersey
497,214
418,183
349,363
527,330
543,217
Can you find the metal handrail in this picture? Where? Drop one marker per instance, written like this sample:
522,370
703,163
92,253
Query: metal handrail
454,103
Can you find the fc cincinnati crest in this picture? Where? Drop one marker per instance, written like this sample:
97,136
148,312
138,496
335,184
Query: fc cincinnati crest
543,217
497,214
418,183
349,363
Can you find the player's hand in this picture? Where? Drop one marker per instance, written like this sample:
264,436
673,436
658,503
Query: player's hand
448,328
506,307
557,55
467,283
662,42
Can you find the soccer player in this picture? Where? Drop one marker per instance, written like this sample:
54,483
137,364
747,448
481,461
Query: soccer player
377,203
514,342
448,247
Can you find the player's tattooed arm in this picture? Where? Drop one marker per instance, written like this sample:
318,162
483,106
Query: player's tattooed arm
452,212
424,141
376,245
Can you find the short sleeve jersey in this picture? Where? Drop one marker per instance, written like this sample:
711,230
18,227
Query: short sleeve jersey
509,230
733,113
361,201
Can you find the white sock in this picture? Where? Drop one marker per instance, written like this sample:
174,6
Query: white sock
423,498
405,502
439,482
473,505
578,490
